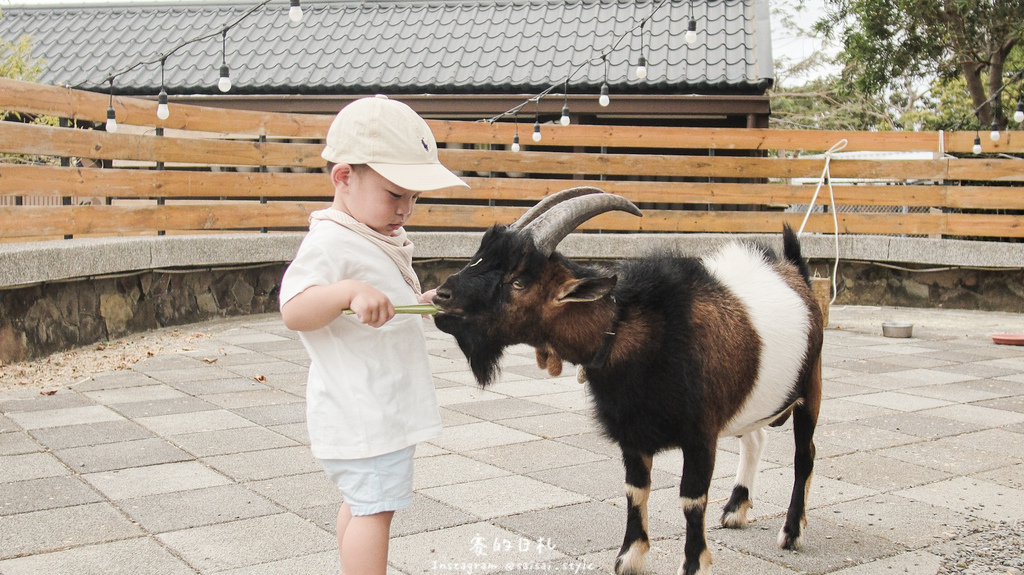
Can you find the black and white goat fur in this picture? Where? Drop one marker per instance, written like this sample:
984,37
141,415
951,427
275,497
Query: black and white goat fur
677,351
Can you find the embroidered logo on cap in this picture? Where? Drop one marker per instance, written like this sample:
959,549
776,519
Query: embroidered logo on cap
424,142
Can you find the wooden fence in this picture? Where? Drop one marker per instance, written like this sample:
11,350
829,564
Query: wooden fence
209,170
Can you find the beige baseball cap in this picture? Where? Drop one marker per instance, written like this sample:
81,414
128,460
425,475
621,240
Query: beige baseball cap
391,138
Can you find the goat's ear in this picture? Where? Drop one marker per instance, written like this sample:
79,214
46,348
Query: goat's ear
586,289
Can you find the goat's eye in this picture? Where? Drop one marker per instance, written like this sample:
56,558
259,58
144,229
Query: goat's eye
518,284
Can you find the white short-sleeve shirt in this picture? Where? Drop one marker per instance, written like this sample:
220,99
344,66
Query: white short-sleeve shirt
369,390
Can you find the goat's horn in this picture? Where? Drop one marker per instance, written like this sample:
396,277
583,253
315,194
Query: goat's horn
557,223
550,202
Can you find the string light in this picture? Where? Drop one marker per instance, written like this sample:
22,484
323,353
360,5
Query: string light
994,134
224,83
691,32
1018,116
515,139
162,111
604,100
641,62
295,12
977,144
111,116
536,131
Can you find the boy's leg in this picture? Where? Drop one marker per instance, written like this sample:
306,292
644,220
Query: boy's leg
344,516
364,543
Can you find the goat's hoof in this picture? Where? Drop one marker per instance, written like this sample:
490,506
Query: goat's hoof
792,541
736,518
700,567
632,561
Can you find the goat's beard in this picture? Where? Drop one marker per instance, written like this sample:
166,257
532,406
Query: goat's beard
484,356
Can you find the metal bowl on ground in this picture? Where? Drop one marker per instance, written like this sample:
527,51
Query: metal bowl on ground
897,329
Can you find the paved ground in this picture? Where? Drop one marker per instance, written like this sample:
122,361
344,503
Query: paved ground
196,462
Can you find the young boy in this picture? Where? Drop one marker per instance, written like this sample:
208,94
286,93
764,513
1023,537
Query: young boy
370,397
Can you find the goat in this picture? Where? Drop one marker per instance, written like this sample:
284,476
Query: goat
677,352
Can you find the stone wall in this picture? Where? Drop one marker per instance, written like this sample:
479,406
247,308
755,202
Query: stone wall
48,317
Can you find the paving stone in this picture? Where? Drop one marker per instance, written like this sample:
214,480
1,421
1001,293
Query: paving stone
914,563
666,556
134,394
499,496
1011,476
845,409
115,380
16,443
297,432
30,466
500,409
197,507
425,514
971,496
299,491
848,437
90,434
899,401
447,469
53,529
166,362
531,456
944,455
877,472
260,397
449,396
903,521
995,440
154,479
595,442
30,420
248,542
184,404
225,441
194,422
576,529
111,456
478,436
325,563
1015,404
278,414
956,392
265,464
529,387
489,549
601,480
217,386
45,493
131,557
452,418
974,414
58,401
921,425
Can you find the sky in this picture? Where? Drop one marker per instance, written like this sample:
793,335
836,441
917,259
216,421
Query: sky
784,43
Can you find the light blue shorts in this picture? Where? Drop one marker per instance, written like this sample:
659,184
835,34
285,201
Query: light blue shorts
375,484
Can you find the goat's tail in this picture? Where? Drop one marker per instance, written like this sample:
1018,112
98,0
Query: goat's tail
791,250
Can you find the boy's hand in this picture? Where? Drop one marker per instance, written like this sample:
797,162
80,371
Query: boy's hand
371,306
428,296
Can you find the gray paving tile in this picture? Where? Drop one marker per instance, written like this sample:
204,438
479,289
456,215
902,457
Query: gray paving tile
197,507
452,418
903,521
154,479
115,380
166,362
1015,404
130,557
499,409
299,491
601,480
531,456
447,469
557,424
60,400
278,414
90,434
975,414
194,422
848,437
265,464
596,442
950,457
913,563
1011,476
217,386
45,493
30,420
183,404
260,397
479,435
53,529
226,441
575,529
481,544
30,466
111,456
488,498
248,542
970,496
425,514
17,442
325,562
133,394
921,425
877,472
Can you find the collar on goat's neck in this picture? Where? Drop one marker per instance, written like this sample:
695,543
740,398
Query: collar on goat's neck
601,355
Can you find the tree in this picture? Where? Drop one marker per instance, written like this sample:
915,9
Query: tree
888,43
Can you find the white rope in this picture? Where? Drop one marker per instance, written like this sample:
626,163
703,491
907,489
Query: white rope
826,177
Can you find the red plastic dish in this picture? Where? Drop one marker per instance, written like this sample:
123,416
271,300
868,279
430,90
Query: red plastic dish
1008,338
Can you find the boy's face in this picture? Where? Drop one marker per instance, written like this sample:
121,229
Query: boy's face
372,199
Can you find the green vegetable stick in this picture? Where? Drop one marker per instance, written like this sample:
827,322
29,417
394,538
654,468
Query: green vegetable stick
422,309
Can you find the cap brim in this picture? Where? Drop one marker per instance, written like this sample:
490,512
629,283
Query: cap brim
418,177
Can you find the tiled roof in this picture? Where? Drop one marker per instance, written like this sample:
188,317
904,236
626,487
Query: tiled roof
355,47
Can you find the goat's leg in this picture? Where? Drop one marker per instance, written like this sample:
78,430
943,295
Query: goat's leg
698,467
636,543
751,446
805,418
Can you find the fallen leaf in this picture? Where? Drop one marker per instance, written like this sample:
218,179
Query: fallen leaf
48,392
259,377
210,360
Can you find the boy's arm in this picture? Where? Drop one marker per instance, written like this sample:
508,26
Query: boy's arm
319,305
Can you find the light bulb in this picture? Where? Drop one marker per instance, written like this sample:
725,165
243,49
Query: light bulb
565,116
162,111
111,120
536,131
977,145
641,68
1018,116
604,100
295,12
224,84
515,143
994,134
691,32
